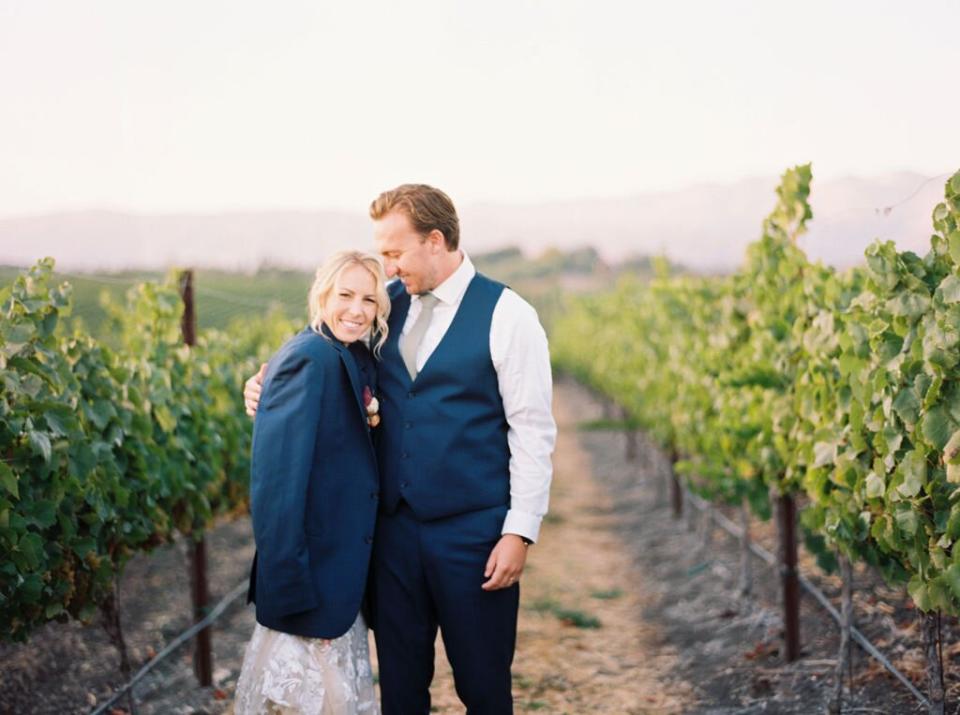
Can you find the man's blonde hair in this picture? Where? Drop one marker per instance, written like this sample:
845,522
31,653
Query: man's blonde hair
427,208
326,281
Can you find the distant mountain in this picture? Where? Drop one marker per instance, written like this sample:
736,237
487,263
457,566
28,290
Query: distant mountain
233,241
705,227
708,227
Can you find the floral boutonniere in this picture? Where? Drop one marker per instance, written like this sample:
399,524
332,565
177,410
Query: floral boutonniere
372,405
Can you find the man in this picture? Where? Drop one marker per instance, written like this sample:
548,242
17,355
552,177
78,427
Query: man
464,453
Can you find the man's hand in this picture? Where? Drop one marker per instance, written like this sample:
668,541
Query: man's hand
505,563
251,391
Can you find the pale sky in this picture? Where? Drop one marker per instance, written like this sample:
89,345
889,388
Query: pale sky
206,105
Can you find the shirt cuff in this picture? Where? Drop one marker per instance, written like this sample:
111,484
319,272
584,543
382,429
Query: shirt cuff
522,524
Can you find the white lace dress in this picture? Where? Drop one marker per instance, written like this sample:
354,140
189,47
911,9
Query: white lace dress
284,674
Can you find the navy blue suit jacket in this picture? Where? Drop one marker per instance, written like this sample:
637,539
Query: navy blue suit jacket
314,489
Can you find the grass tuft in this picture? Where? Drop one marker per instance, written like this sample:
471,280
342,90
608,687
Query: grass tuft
569,616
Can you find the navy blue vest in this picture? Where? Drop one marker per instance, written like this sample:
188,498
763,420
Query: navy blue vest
443,439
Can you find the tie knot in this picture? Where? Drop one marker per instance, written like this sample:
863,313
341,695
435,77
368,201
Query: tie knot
428,301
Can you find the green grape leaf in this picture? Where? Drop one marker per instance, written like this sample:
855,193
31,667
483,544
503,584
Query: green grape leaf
952,578
953,473
40,443
31,548
953,240
8,480
951,451
907,405
165,418
909,304
914,470
949,289
825,453
936,427
875,486
920,594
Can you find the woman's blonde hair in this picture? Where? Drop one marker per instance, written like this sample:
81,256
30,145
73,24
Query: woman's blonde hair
326,281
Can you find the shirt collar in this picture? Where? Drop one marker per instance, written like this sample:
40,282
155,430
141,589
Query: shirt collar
451,291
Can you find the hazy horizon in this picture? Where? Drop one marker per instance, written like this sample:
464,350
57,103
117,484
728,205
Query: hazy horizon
706,227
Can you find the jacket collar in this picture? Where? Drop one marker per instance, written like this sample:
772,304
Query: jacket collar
349,362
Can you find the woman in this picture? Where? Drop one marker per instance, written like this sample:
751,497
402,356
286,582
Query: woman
313,496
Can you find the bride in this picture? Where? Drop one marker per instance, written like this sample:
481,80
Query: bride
313,498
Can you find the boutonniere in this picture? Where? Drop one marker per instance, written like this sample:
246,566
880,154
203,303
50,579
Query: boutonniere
372,405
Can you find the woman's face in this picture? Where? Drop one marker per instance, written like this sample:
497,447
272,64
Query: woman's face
352,304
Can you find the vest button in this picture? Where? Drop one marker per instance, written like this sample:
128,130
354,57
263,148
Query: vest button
404,485
411,394
404,455
407,425
369,539
374,495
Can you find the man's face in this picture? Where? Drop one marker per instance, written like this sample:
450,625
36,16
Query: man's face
406,254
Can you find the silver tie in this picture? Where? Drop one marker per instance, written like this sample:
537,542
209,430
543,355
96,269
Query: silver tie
410,343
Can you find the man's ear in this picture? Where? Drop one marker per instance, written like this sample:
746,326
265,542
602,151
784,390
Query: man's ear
436,240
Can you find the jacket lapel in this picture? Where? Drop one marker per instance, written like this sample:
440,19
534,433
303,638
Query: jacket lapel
348,362
352,372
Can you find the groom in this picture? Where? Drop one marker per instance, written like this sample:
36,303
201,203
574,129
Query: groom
464,453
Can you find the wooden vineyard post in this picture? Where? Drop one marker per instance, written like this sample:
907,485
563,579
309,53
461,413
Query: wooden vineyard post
203,652
676,493
691,513
746,558
934,657
609,407
787,521
706,528
630,436
659,474
110,609
197,549
845,653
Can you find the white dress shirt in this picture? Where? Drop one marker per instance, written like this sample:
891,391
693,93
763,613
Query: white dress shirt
518,348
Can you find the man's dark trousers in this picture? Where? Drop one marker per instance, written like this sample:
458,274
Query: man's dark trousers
429,574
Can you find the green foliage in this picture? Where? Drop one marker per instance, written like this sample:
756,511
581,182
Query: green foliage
794,378
108,451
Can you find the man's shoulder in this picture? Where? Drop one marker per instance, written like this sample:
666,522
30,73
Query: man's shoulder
509,304
514,304
489,289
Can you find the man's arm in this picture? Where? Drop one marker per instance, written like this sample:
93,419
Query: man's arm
518,347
